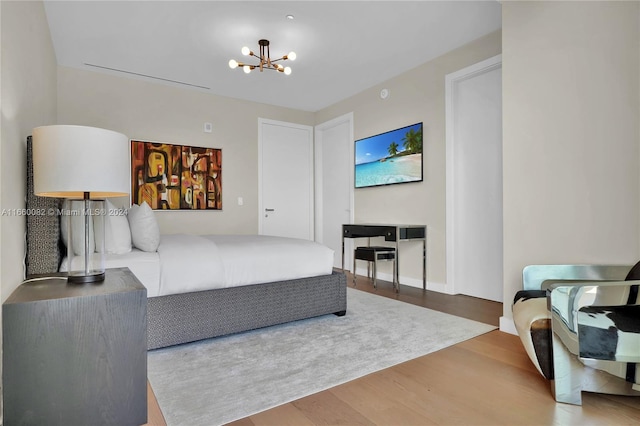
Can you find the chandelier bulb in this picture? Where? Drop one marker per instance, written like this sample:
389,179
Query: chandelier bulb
292,56
247,69
246,51
233,64
287,70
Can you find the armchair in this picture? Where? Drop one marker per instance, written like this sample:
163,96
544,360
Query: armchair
580,325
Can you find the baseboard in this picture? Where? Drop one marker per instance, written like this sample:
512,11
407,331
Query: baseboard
438,287
507,325
408,281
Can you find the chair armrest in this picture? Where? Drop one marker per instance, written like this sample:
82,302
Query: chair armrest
590,351
539,277
569,319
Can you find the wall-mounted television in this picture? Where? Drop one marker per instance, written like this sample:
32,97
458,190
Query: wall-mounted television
388,158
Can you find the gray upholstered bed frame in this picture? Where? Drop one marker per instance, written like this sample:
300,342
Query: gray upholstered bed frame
189,317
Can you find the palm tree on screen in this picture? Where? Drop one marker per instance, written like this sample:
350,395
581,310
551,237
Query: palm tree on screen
393,149
412,141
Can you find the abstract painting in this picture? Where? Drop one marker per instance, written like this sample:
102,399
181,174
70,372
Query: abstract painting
176,177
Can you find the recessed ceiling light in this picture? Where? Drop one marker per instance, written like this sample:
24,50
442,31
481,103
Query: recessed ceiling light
290,17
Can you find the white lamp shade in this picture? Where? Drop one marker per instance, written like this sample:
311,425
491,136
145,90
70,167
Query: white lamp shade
71,160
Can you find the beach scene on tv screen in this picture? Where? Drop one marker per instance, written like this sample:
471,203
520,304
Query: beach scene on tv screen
392,157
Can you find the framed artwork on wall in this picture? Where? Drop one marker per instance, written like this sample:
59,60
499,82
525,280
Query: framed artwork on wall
176,177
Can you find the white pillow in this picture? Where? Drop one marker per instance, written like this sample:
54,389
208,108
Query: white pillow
117,235
145,233
77,227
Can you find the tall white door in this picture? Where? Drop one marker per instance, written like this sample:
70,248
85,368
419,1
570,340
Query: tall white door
285,173
474,180
334,184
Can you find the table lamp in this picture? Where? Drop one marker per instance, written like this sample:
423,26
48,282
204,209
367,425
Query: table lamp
85,165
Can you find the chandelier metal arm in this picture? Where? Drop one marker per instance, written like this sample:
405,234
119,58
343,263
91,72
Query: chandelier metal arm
242,64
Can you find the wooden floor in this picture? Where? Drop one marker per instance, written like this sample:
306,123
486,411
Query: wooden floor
481,310
487,380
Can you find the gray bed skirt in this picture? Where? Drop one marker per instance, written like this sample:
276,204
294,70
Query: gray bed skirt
189,317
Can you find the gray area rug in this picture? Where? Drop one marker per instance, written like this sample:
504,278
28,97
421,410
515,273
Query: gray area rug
227,378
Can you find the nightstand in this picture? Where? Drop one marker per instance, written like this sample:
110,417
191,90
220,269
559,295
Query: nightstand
76,354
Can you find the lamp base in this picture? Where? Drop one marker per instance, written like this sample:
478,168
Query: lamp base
85,225
91,277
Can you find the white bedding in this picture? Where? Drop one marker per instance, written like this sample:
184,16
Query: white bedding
253,259
144,265
186,263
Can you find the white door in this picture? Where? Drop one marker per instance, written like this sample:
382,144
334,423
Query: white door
334,184
474,180
285,173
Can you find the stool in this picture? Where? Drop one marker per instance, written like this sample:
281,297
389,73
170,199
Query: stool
374,254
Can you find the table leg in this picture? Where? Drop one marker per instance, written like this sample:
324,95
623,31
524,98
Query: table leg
343,252
424,264
396,273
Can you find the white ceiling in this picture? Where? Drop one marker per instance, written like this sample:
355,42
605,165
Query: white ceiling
342,47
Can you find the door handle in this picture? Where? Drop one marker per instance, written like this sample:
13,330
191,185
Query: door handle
269,210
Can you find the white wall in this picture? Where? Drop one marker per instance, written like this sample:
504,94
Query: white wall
27,100
571,137
150,111
417,95
1,299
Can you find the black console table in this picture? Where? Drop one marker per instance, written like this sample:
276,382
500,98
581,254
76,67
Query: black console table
391,233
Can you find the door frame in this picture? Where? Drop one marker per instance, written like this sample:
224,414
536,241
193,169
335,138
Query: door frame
261,122
451,80
318,131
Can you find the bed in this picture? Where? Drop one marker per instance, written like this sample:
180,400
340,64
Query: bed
176,316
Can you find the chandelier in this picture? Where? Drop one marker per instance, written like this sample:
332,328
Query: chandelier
265,60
